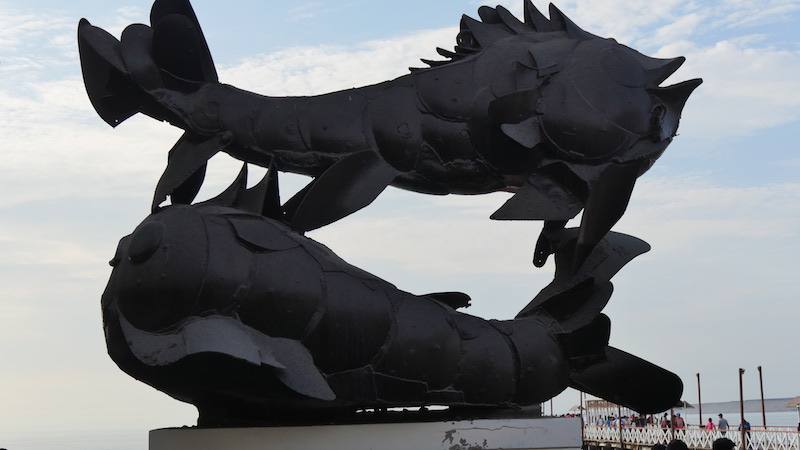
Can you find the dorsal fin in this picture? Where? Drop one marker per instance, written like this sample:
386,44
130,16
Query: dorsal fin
498,23
264,197
137,52
180,47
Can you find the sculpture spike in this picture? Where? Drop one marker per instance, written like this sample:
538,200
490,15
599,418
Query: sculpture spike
446,53
261,198
511,21
657,70
560,21
489,15
674,97
271,206
534,18
230,196
484,33
433,63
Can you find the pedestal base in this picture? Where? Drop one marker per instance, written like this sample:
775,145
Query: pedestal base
478,434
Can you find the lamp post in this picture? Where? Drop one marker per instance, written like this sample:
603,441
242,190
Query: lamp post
761,386
699,402
741,410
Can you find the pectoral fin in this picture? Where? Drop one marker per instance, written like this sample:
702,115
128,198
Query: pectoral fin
575,297
289,360
347,186
608,198
540,198
299,373
186,167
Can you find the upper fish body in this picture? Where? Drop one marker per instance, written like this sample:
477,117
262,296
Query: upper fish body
565,119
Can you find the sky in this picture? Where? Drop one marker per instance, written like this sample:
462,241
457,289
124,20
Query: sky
721,207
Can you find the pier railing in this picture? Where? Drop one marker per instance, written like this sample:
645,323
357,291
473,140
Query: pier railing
630,437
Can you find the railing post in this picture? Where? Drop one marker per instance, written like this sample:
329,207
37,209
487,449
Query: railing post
671,424
580,411
619,424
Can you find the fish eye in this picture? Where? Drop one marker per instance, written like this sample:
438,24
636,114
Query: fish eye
466,39
145,241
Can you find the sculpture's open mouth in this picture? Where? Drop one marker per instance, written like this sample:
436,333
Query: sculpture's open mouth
671,100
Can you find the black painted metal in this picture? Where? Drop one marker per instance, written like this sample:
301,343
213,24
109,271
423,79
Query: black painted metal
226,305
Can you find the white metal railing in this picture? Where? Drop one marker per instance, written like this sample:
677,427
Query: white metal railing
770,438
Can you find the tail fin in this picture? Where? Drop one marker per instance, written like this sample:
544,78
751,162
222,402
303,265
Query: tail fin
619,377
629,381
120,76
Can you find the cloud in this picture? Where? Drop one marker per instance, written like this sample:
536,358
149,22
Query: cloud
23,29
739,13
322,69
746,87
304,11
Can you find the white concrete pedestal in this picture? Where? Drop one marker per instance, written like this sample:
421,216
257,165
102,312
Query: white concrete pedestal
478,434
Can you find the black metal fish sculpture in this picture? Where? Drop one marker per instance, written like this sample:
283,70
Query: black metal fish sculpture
218,305
565,119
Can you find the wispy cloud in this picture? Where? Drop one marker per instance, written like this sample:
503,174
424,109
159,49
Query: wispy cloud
304,11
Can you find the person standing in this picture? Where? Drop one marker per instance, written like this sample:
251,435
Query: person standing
745,425
722,425
709,425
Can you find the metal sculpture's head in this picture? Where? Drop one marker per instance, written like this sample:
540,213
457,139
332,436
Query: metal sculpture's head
159,269
572,94
606,103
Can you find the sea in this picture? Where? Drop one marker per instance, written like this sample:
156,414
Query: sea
138,439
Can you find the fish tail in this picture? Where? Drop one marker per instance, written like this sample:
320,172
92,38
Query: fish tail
127,76
572,307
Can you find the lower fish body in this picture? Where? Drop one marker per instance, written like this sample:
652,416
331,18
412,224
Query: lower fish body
252,322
